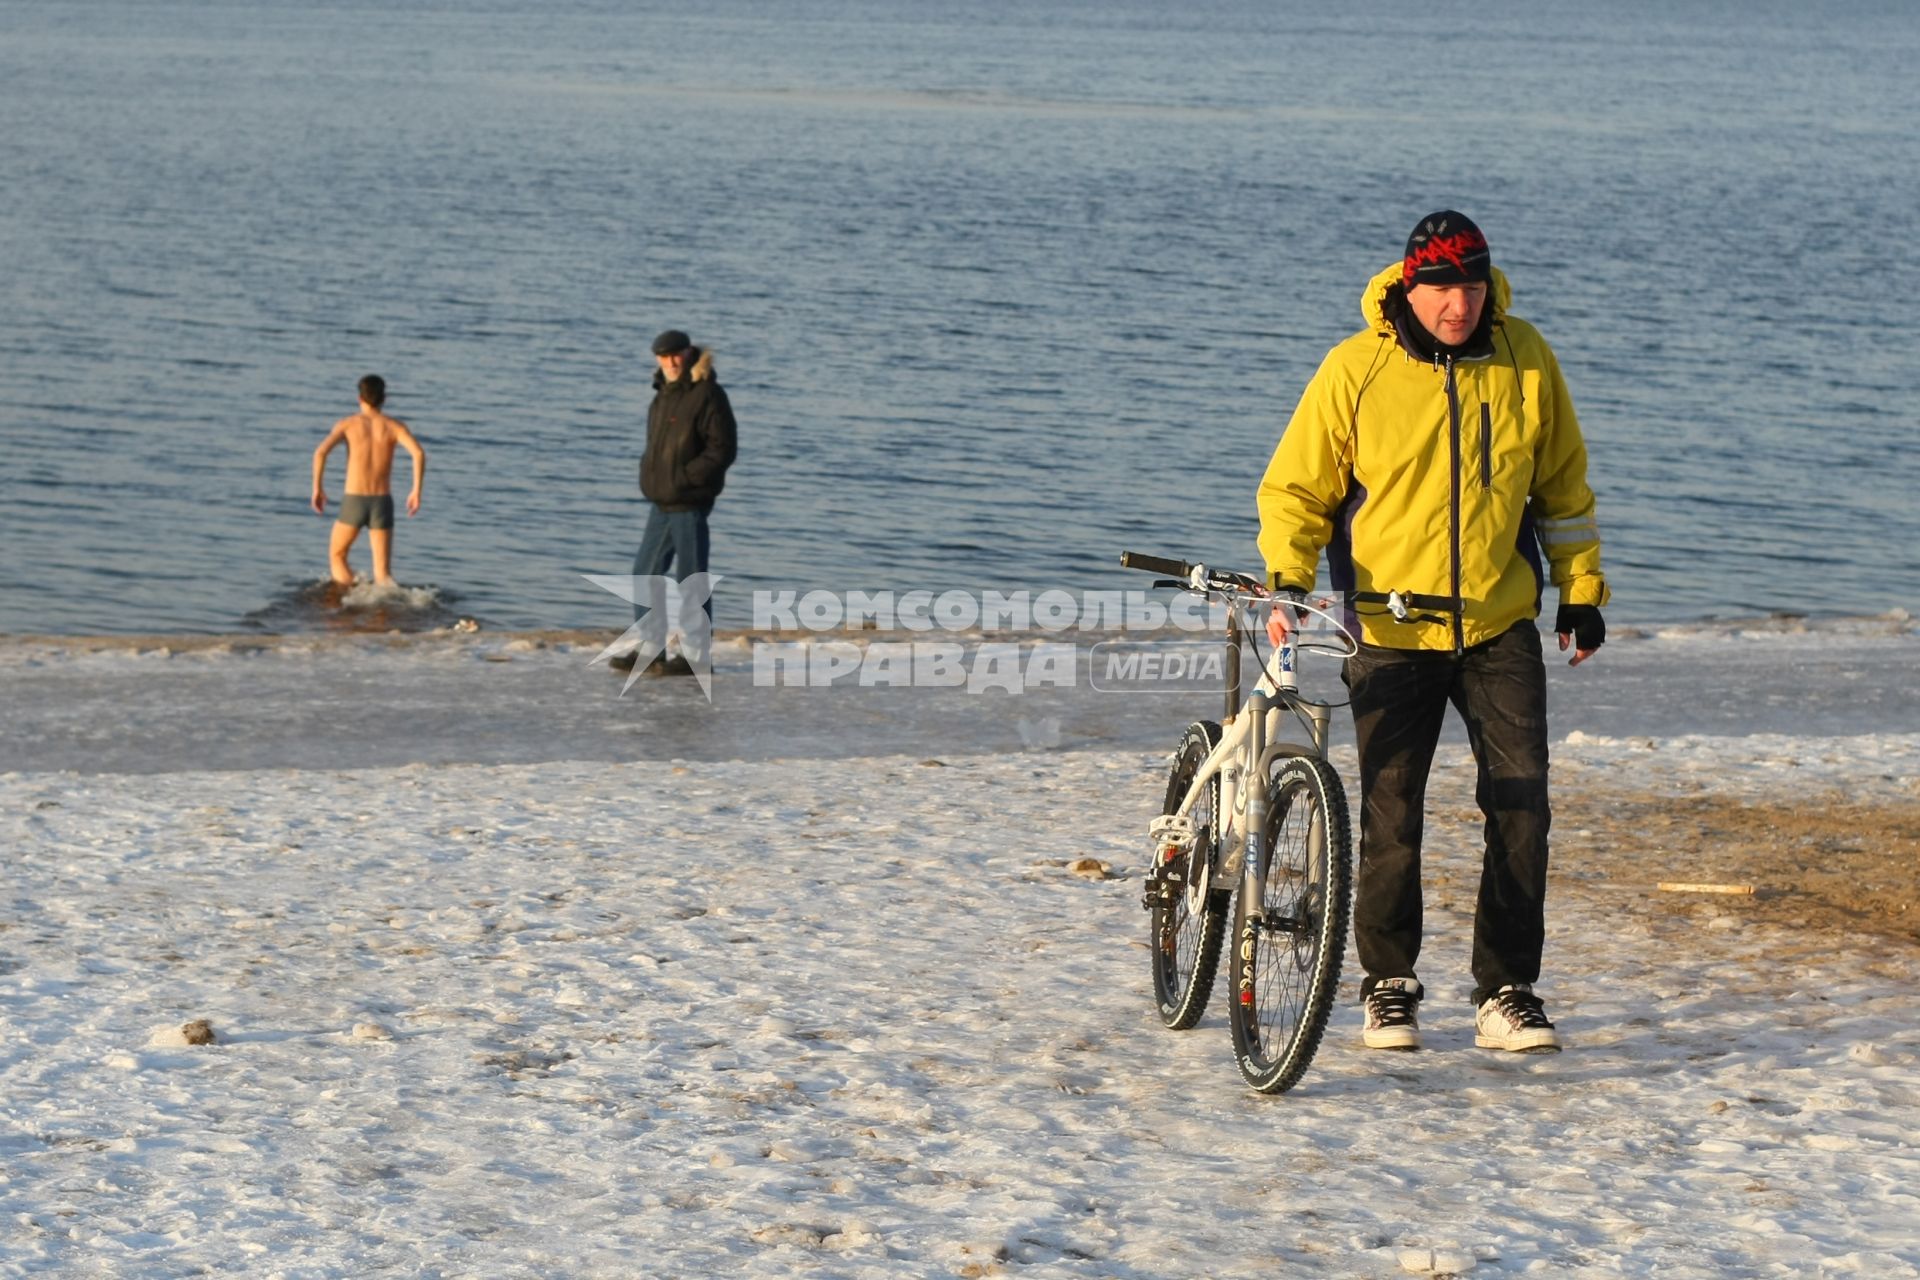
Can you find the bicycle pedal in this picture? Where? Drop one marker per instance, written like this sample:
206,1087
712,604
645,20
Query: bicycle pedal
1172,831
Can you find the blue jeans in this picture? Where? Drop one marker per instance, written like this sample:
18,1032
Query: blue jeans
675,540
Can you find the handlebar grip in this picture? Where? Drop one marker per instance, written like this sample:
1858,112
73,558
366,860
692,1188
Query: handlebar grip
1156,564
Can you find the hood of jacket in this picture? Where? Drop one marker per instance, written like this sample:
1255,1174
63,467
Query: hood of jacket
1373,300
700,371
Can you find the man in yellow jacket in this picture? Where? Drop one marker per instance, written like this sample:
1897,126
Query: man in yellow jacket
1435,457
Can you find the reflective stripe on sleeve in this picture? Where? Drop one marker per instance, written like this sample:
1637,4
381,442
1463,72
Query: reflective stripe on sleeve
1554,533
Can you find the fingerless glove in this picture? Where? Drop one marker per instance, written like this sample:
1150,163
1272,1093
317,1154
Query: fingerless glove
1589,629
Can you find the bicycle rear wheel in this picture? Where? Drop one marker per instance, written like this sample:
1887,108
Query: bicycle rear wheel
1187,915
1288,944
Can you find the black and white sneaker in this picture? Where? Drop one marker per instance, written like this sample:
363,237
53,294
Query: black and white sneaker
1390,1021
1513,1019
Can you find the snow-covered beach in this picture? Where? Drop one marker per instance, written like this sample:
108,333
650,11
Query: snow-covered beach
512,977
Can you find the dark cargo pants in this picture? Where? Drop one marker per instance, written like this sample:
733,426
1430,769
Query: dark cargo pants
1399,700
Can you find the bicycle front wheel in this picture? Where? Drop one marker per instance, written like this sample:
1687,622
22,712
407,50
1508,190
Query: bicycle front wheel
1187,914
1288,941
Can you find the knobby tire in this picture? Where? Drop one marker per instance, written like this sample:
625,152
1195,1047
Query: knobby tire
1288,946
1185,942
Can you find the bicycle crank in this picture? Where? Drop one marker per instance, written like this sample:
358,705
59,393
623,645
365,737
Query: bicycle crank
1165,885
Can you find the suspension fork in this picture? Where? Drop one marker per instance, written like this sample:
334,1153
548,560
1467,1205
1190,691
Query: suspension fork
1320,716
1252,865
1233,665
1253,787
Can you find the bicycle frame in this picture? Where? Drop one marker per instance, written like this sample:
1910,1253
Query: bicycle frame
1248,746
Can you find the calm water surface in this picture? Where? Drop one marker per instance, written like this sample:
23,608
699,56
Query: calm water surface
998,288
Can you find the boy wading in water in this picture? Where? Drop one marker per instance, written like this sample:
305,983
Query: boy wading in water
371,437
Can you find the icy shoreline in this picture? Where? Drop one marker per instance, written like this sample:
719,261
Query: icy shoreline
134,705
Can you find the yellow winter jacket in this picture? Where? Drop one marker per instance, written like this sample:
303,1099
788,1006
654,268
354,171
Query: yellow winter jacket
1442,482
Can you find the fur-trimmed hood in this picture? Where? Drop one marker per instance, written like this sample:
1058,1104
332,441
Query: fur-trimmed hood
701,371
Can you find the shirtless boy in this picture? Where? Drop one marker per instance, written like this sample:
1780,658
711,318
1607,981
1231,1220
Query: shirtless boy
371,438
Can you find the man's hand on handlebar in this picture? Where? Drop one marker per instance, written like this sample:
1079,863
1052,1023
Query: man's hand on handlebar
1284,620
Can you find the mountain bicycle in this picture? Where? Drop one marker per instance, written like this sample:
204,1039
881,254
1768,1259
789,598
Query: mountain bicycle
1247,806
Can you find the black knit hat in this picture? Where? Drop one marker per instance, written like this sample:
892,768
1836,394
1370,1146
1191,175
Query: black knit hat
671,341
1446,248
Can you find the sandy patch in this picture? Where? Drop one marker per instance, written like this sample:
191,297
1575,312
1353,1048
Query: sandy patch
1823,863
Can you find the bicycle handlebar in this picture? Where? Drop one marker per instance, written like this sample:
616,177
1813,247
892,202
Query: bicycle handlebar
1247,589
1215,579
1156,564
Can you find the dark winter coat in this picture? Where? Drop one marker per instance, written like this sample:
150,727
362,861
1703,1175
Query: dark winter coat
690,439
